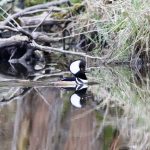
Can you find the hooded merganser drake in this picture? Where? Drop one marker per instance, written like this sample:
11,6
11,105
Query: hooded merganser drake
77,68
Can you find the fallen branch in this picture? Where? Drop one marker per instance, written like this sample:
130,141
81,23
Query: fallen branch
15,95
8,28
43,19
40,6
30,21
14,40
50,49
42,37
53,9
56,38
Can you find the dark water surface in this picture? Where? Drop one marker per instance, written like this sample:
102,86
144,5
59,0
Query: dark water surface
113,114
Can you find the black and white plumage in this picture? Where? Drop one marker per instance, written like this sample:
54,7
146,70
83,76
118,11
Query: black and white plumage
77,68
78,82
78,99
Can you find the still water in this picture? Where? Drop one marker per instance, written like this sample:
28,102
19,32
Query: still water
110,115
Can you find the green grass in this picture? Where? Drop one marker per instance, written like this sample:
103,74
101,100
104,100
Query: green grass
35,2
122,23
76,1
128,104
108,136
66,106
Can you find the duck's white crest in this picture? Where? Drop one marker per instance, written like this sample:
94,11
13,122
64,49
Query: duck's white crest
75,101
81,86
74,67
81,81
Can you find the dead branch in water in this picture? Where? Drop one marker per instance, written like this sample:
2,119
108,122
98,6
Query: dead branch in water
57,31
49,49
14,40
36,7
31,21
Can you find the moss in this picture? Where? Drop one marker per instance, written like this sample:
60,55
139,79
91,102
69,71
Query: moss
76,1
65,110
1,18
108,136
35,2
76,9
59,15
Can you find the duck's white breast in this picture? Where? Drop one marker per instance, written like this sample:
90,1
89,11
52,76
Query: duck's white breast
74,67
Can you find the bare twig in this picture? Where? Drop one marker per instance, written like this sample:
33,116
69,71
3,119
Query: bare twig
15,96
42,96
50,49
17,27
54,9
31,21
57,39
8,15
51,75
43,37
8,28
42,21
2,15
40,6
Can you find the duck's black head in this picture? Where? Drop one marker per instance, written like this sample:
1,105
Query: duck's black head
77,68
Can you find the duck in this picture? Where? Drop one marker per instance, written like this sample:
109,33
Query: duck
77,68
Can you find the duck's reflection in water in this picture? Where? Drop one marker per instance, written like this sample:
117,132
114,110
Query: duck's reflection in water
54,118
78,99
44,122
82,131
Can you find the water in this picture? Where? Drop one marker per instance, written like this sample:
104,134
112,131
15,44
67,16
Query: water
111,115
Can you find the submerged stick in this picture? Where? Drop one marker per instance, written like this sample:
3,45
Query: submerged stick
28,83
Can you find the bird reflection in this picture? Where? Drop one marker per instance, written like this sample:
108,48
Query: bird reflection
78,99
18,70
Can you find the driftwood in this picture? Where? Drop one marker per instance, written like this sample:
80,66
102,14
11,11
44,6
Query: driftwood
18,49
52,9
43,37
8,28
31,21
14,40
50,49
37,36
40,6
58,40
